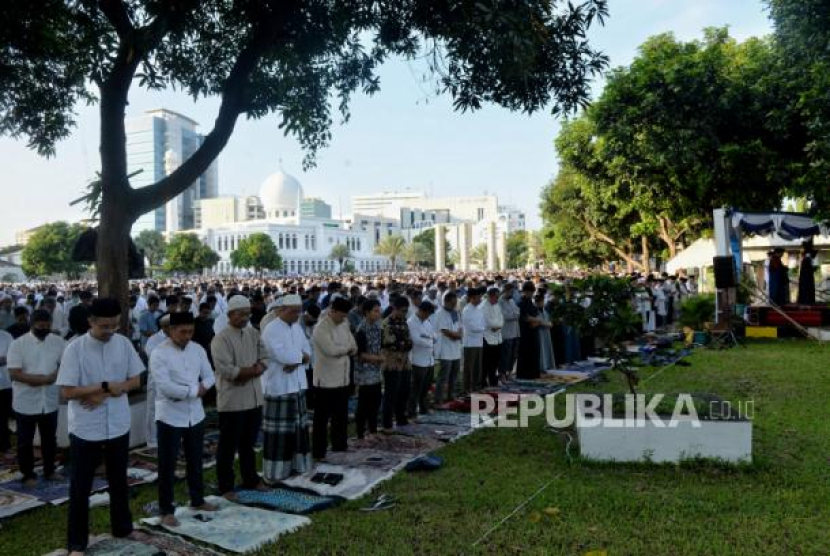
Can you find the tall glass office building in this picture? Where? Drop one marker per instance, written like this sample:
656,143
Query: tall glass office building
158,141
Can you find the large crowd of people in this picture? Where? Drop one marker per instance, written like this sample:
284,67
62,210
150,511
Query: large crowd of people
269,350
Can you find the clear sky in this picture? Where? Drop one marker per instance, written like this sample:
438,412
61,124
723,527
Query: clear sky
402,137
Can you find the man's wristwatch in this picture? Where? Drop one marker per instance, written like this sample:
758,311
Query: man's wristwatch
105,386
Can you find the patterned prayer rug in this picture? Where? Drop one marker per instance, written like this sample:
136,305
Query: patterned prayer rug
452,418
444,433
355,483
286,500
54,492
233,527
12,503
366,458
397,444
171,545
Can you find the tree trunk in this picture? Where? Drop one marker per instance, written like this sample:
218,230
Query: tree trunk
667,237
646,254
112,253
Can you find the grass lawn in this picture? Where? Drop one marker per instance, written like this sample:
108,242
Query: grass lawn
778,505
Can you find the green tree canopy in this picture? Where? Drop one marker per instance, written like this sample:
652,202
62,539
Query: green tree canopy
427,238
802,29
478,255
187,254
49,251
418,254
340,252
299,59
257,251
153,244
517,249
391,247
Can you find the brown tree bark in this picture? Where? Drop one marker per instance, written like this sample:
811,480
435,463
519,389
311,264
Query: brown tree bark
599,236
646,254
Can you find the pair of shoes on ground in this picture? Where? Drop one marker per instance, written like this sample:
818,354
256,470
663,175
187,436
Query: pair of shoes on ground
383,502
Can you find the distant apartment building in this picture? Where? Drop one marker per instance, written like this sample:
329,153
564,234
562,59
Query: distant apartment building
158,142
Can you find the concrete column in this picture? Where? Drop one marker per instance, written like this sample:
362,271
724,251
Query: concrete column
491,247
440,248
465,232
502,250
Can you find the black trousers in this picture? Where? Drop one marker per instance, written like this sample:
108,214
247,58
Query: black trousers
86,456
238,432
490,364
5,414
47,425
422,378
368,405
169,439
309,393
395,397
331,404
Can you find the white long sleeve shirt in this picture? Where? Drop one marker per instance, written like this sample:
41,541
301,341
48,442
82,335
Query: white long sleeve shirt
177,374
447,349
472,319
286,345
423,341
493,318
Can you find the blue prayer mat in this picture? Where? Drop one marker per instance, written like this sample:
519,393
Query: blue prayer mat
287,500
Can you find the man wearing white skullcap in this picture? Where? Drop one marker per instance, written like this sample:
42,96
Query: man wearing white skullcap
285,422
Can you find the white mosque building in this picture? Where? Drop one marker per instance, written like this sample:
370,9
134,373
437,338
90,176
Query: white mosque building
304,243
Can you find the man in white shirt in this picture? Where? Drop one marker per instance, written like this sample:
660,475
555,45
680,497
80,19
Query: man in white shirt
472,319
494,320
422,357
448,328
97,371
182,374
155,341
33,361
5,393
285,424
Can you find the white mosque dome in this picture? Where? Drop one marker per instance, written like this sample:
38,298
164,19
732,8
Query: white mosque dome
279,193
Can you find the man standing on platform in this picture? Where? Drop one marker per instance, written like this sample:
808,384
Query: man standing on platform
182,374
285,426
33,361
240,359
96,372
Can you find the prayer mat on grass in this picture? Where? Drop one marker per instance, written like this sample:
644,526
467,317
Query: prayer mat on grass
233,527
397,444
444,433
54,492
104,545
12,503
140,476
171,545
356,481
366,458
452,418
288,500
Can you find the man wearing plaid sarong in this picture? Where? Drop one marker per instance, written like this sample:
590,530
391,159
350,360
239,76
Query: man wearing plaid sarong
285,426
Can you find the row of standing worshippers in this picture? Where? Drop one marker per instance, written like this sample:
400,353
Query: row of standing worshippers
262,380
659,299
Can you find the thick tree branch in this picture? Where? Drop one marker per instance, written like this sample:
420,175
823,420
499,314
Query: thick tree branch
233,104
599,236
116,13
